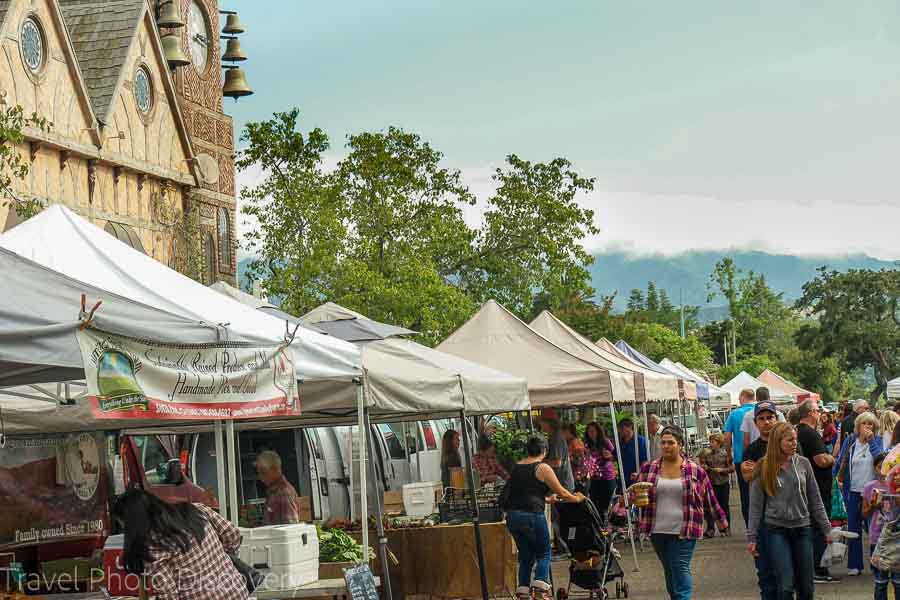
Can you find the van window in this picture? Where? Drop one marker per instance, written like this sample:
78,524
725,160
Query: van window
153,458
392,435
430,440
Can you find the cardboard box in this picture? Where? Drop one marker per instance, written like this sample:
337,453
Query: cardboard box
305,509
393,503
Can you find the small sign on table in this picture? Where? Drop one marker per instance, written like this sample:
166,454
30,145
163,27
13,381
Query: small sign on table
361,583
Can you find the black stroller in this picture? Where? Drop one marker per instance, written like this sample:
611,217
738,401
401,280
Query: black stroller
594,561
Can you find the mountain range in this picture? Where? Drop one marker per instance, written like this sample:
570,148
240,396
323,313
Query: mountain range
684,276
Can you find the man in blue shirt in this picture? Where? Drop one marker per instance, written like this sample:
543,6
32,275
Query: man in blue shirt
631,461
735,439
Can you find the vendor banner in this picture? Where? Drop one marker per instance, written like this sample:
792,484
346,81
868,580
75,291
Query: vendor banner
52,488
140,379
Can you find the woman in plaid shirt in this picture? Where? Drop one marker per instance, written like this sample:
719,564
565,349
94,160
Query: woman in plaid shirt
182,548
674,518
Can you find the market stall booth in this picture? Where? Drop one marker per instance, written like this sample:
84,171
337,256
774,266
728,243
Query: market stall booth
893,388
746,381
556,377
775,380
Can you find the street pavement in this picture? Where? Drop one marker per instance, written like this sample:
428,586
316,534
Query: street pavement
722,569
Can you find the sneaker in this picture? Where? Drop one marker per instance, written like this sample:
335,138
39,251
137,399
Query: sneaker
824,578
853,572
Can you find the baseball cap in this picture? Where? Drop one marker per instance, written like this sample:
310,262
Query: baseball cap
763,407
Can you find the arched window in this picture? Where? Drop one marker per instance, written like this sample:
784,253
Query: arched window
224,241
209,259
124,233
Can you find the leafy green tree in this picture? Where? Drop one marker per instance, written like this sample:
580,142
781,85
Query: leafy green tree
754,365
301,229
652,298
665,305
659,342
858,320
531,238
14,164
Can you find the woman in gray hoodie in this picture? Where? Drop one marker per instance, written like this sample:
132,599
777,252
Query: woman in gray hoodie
784,494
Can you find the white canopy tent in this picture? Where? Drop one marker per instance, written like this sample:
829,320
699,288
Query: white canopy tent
719,398
745,380
893,388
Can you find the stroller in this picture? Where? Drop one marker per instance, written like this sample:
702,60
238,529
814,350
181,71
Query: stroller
594,560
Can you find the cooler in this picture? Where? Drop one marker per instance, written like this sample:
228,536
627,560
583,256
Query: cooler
419,498
287,555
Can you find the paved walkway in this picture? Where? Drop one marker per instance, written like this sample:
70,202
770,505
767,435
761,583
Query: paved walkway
722,569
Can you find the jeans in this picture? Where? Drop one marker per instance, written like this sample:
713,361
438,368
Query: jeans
675,554
791,550
854,524
765,569
601,493
744,488
532,537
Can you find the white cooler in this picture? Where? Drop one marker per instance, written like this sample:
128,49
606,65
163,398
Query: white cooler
287,555
419,499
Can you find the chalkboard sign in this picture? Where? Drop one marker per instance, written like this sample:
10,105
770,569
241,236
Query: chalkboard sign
361,583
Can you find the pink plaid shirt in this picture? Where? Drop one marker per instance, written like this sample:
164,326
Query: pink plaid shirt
697,494
205,571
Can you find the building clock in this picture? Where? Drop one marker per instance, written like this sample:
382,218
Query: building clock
199,35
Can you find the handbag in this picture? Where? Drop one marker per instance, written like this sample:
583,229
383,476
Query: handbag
252,578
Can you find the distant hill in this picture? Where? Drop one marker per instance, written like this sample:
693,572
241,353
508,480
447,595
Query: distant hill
688,274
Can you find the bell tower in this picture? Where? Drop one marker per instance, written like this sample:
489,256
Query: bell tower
199,90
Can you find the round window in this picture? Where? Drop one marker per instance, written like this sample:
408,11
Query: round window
143,90
32,41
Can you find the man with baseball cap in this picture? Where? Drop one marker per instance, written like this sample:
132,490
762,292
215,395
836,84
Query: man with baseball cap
812,447
765,418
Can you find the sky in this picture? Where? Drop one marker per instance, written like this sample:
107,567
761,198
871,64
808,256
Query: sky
707,125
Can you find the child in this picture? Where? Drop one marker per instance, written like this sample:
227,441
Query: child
877,508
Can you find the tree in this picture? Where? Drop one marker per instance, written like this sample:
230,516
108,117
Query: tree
636,301
652,298
299,239
665,305
858,320
530,241
659,342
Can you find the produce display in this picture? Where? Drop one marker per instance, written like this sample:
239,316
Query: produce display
336,545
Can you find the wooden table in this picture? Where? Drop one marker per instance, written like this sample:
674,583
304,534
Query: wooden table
335,588
440,562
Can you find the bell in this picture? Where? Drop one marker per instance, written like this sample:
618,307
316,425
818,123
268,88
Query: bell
235,84
175,56
233,25
233,52
169,16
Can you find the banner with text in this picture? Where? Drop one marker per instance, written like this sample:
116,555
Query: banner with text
140,379
53,488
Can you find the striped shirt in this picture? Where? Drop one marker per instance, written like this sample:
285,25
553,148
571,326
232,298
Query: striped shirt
697,496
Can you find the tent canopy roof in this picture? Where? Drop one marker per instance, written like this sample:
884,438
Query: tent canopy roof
497,338
893,388
658,386
60,240
745,380
774,379
351,326
688,387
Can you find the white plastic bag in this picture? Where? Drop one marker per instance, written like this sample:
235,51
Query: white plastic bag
834,554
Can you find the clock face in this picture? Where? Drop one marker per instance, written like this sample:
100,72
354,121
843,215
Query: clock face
199,37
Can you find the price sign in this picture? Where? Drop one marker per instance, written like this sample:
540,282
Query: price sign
361,583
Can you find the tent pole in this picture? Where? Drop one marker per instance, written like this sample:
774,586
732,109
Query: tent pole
220,470
379,517
233,471
363,487
615,428
637,441
470,470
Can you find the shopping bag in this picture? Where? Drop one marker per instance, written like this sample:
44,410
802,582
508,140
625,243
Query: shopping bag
833,555
838,510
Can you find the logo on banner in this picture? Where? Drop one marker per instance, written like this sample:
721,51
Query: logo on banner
117,384
82,463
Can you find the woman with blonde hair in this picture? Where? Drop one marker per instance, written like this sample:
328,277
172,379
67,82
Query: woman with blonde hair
888,421
785,495
854,469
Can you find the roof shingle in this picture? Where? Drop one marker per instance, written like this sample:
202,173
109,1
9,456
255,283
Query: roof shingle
101,32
